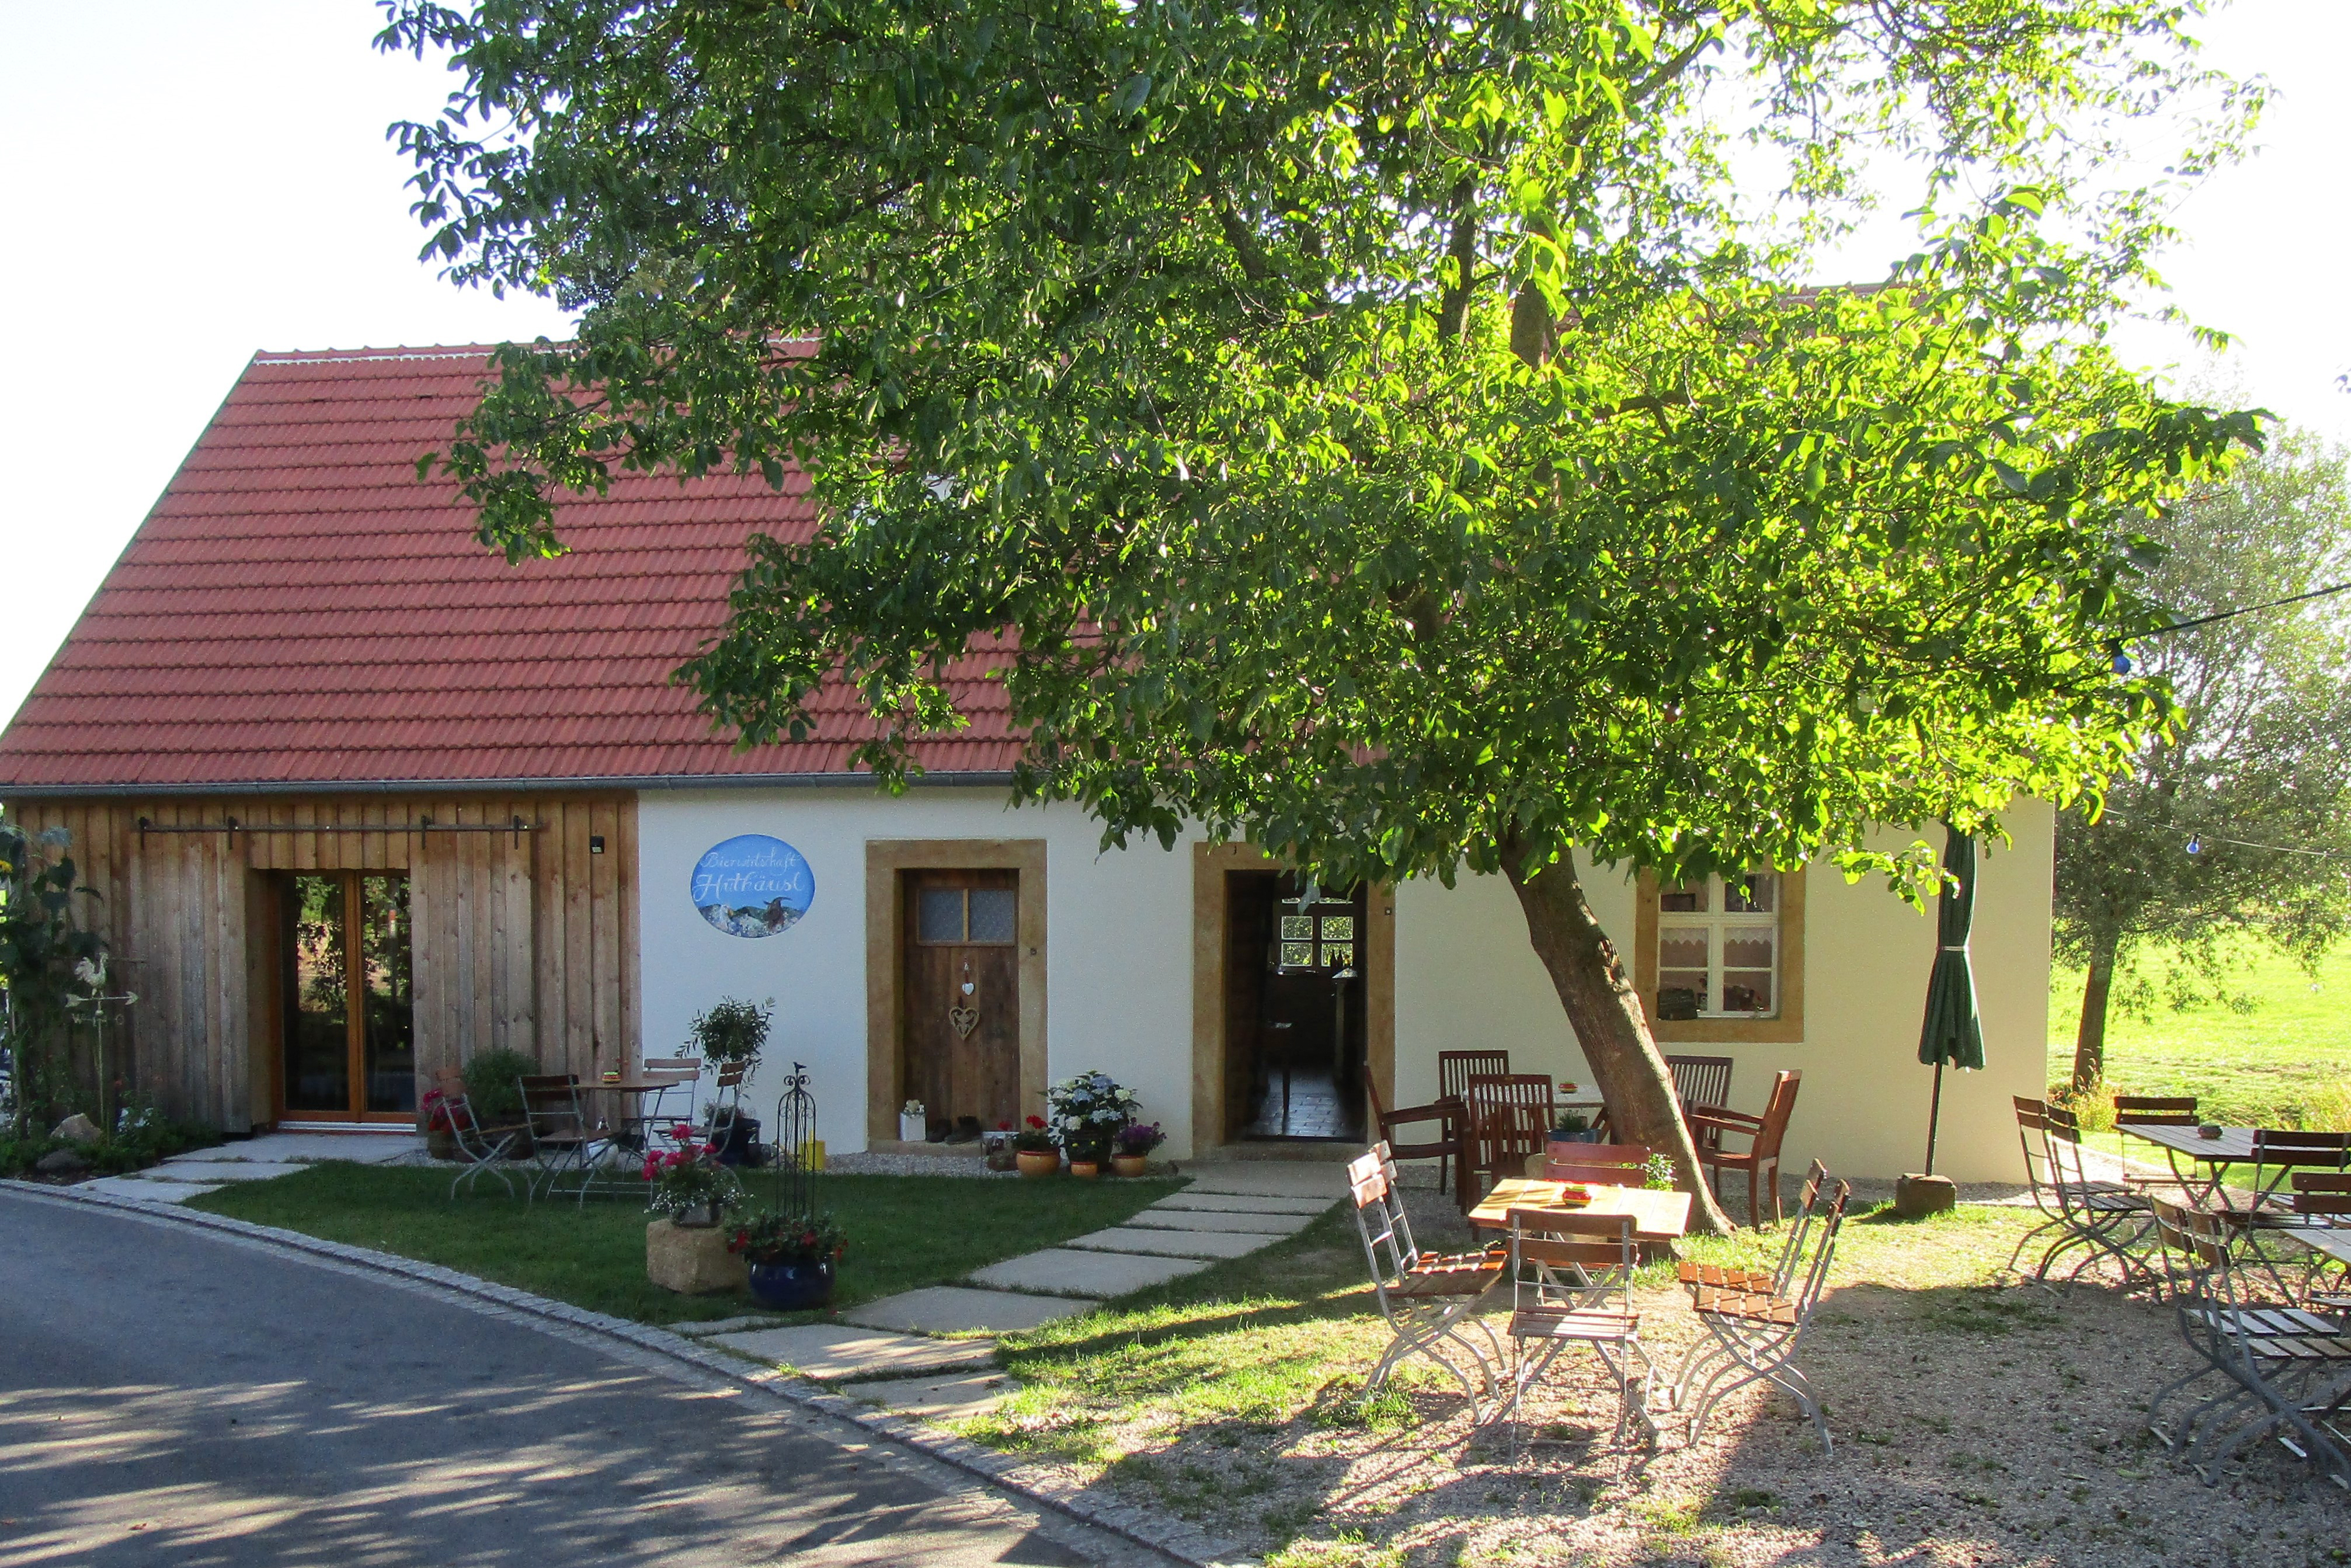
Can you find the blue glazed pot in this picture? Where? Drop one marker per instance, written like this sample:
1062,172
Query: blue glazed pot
791,1287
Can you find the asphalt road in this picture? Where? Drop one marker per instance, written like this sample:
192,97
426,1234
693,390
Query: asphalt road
173,1397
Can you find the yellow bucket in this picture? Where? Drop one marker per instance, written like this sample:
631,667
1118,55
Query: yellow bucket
813,1154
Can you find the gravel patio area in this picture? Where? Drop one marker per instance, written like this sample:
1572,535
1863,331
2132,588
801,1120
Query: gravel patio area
1974,1425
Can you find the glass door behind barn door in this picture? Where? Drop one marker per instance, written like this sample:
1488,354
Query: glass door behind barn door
347,1004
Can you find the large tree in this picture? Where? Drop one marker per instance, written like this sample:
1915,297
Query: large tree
1393,432
2236,820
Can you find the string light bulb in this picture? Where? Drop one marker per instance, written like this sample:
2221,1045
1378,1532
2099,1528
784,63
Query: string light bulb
2195,844
2122,662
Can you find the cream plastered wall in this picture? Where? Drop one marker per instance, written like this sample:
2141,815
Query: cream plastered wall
1118,941
1468,980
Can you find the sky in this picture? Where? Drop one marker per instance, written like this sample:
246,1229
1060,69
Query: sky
190,183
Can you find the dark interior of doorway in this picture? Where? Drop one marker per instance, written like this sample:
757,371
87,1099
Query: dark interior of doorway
1295,1036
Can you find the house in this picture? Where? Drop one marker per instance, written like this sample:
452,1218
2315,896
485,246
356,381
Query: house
361,799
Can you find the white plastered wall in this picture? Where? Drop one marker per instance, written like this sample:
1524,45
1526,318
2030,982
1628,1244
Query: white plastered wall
1468,980
1119,987
1118,940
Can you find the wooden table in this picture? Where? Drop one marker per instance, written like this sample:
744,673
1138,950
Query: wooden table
2233,1146
1657,1216
631,1120
2335,1240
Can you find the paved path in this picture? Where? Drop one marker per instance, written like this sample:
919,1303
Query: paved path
183,1177
886,1351
171,1396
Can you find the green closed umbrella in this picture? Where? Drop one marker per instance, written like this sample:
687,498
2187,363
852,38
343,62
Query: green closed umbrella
1953,1031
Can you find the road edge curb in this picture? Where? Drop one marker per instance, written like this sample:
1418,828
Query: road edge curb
1182,1542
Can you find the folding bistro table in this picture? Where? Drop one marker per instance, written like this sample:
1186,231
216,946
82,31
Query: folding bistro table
1657,1216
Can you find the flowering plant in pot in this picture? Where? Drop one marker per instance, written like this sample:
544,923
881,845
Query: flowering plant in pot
1034,1149
439,1125
791,1258
1130,1149
690,1186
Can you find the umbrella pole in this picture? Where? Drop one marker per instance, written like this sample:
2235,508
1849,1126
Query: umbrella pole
1934,1116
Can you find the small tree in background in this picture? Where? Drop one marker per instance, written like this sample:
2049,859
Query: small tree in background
2238,819
47,960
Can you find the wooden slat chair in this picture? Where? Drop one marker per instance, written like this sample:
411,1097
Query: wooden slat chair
1774,1281
1510,1118
2107,1219
1445,1148
564,1141
2323,1199
484,1148
1752,1337
1702,1082
2285,1373
1607,1165
2154,1111
1423,1297
1571,1284
1763,1133
1455,1068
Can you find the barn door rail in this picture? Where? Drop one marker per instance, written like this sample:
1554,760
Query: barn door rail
514,826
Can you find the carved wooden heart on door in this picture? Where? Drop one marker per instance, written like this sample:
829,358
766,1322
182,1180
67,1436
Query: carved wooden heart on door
965,1020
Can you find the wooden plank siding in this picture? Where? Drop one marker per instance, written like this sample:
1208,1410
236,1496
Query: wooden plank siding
522,941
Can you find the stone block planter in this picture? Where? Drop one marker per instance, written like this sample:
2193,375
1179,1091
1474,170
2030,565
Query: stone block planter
692,1260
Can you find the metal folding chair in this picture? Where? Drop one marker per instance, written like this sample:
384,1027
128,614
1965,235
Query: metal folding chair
2107,1219
563,1138
677,1074
1776,1280
482,1147
1571,1284
1752,1337
1423,1298
2285,1372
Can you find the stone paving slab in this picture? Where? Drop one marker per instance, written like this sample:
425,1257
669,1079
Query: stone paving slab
1271,1178
215,1172
367,1148
147,1191
959,1309
1267,1225
1244,1203
1064,1271
723,1325
968,1395
1170,1243
836,1351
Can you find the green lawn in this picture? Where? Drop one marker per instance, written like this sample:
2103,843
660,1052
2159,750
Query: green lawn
2285,1060
903,1231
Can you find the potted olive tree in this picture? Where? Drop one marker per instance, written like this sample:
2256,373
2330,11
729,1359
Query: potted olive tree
731,1034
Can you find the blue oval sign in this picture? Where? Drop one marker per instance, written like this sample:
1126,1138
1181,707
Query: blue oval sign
753,886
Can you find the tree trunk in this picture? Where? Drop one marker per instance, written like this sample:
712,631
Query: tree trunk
1607,1015
2097,985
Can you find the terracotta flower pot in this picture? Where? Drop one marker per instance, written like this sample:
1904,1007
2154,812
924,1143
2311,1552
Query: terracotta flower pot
1085,1170
1039,1163
1128,1165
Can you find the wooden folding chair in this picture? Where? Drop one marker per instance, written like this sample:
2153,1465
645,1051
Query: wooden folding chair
1752,1337
2106,1219
563,1138
1774,1281
1445,1148
2286,1372
675,1074
1571,1284
2154,1111
1423,1297
484,1148
1763,1133
2322,1201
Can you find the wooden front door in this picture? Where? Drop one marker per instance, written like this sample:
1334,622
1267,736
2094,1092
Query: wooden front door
962,1046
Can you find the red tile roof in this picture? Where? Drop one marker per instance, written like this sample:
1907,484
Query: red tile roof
298,609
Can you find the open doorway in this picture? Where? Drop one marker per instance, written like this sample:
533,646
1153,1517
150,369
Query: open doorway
1294,1009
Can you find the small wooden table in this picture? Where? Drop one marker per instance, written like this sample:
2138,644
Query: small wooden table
630,1117
2235,1147
1657,1216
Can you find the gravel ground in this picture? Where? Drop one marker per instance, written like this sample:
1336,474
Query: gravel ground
1974,1425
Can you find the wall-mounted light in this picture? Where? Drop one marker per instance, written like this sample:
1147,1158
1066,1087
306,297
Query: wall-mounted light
595,843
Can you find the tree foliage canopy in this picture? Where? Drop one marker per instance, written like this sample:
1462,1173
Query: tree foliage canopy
1390,431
